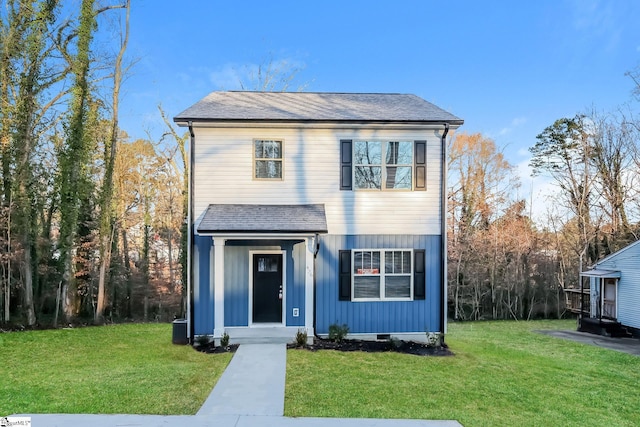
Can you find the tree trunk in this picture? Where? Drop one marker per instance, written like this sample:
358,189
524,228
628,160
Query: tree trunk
75,155
7,289
106,223
28,286
127,275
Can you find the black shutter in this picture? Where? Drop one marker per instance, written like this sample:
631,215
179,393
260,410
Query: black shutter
345,164
344,281
419,274
420,165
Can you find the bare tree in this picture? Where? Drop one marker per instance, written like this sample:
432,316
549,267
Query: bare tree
107,228
564,151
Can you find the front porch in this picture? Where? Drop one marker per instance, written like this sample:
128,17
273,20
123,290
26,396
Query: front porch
254,272
604,327
598,296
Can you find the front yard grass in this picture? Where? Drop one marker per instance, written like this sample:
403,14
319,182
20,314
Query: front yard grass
126,369
503,374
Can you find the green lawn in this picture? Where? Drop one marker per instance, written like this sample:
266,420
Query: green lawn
503,374
131,368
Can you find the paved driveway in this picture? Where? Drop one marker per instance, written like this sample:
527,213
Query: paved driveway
626,345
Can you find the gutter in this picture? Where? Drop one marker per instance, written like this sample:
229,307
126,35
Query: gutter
190,274
443,234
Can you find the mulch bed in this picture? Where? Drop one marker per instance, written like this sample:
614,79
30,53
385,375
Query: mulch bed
397,346
406,347
210,348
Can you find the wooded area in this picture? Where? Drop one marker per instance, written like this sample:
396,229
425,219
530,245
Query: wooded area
92,223
502,265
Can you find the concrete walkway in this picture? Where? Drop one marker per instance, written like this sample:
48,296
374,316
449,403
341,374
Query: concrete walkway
252,384
250,393
59,420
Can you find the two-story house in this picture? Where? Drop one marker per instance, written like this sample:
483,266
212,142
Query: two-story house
313,209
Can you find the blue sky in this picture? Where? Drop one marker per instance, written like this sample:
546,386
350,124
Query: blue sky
508,68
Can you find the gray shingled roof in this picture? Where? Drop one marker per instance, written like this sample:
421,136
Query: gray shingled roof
310,106
232,218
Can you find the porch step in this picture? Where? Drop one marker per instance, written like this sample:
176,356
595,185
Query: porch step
607,328
263,335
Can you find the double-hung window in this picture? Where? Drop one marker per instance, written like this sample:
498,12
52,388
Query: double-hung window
383,165
382,274
267,159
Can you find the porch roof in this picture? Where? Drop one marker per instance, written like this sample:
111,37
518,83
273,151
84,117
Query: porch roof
604,274
244,218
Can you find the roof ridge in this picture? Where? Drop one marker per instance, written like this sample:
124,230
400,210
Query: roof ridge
311,92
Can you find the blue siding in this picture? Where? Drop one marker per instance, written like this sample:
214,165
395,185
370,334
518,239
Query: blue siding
361,317
203,290
295,283
236,273
384,316
236,286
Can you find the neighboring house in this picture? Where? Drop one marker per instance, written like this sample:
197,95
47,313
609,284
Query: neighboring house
611,306
313,209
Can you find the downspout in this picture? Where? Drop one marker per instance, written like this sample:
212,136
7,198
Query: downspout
190,301
315,292
443,233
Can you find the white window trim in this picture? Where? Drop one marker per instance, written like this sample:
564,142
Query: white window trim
254,158
382,274
383,164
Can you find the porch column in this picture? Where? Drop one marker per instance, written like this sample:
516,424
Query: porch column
218,328
308,287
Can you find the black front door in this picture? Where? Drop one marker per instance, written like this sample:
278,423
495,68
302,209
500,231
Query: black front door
267,288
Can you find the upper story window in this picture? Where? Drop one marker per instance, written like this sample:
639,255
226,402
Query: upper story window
267,159
383,165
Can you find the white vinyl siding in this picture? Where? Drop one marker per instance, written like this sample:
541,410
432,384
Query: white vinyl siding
627,261
312,164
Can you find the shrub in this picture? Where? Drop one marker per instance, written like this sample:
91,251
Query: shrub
395,343
202,340
224,341
338,333
301,338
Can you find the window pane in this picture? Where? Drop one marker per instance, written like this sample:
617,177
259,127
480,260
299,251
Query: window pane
366,262
368,177
397,287
367,153
397,262
399,153
268,169
398,177
375,260
272,149
366,287
268,149
259,149
267,264
405,153
406,262
388,262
